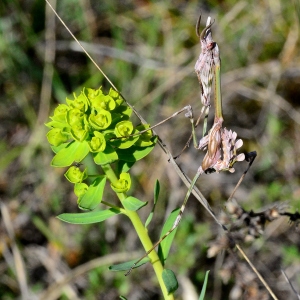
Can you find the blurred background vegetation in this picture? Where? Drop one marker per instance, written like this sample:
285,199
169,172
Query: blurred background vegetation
148,49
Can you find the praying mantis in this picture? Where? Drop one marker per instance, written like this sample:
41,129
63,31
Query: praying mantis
219,143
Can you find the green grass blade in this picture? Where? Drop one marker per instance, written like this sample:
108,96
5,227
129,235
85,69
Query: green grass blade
156,194
203,291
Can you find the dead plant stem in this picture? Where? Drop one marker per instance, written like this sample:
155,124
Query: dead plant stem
256,272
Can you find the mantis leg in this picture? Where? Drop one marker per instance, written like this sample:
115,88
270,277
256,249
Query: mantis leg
250,157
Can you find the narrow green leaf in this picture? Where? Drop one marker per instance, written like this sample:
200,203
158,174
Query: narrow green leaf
133,204
170,280
89,217
149,218
93,195
203,290
123,184
108,156
165,245
124,166
156,191
127,265
122,297
74,151
134,153
156,194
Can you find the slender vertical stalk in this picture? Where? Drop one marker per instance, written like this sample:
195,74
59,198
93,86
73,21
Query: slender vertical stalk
218,96
142,234
147,244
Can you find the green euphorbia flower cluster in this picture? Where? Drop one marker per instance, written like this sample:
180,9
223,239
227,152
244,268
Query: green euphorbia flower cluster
96,123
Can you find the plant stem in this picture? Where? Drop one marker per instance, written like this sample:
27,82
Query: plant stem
147,244
142,234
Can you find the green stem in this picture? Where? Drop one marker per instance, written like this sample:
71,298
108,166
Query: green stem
121,210
218,96
147,244
142,234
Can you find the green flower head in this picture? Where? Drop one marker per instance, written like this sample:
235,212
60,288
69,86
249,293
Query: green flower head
123,184
79,134
60,113
74,117
145,139
56,137
80,189
75,175
81,102
116,96
103,102
92,94
97,143
123,129
101,120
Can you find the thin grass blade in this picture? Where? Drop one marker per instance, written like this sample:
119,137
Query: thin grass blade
203,290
